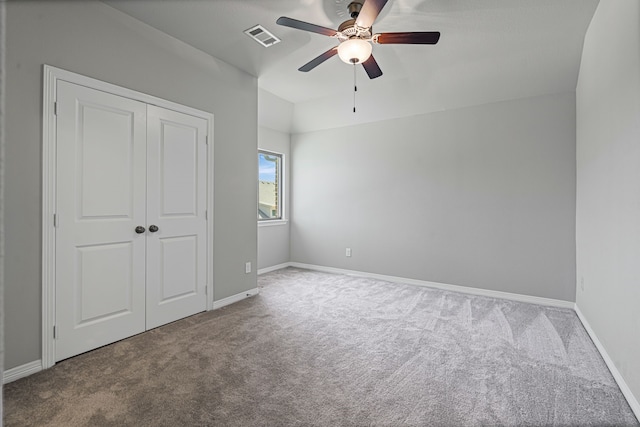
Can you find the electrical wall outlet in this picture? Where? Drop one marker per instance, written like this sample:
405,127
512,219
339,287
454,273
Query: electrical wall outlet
348,252
247,267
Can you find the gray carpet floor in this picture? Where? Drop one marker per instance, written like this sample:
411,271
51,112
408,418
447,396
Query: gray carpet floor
318,349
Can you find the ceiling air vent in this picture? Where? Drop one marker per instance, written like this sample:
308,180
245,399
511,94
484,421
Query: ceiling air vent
262,36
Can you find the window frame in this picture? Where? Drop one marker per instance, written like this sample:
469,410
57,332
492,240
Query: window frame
281,219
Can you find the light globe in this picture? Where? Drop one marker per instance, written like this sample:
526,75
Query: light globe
354,51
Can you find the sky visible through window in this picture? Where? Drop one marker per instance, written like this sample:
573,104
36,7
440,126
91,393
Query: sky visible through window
266,169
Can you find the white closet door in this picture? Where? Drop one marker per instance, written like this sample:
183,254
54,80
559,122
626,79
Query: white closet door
101,178
176,205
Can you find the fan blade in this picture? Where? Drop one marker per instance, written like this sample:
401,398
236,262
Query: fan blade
305,26
425,37
369,12
319,60
372,68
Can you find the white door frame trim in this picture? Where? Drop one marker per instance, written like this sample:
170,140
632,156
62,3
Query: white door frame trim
51,75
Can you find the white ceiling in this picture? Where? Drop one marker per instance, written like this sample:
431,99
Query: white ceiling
490,50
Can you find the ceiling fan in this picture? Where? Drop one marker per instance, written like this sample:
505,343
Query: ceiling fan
356,37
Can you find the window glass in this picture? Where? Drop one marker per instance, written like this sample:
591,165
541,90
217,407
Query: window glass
269,186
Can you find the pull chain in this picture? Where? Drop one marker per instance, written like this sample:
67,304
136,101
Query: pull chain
355,87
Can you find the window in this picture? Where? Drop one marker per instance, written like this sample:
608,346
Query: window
269,186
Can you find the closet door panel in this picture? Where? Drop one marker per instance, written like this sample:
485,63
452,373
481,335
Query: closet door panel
176,205
101,199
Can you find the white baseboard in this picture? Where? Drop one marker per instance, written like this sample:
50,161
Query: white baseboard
626,391
273,268
235,298
21,371
455,288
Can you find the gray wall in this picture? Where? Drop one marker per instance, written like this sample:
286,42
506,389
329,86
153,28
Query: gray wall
2,144
608,184
274,119
93,39
481,197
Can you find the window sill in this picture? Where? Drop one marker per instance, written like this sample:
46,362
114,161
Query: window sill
273,222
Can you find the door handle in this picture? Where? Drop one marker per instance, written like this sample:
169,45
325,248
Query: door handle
153,228
140,229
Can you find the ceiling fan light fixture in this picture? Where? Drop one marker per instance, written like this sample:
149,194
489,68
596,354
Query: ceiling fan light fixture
354,51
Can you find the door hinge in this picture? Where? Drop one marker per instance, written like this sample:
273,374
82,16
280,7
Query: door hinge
55,220
55,108
206,215
206,139
55,335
